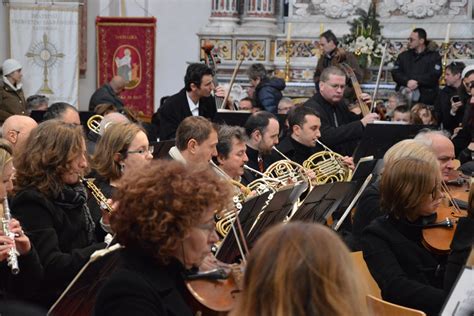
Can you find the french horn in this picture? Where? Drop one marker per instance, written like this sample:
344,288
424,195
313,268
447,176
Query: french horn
93,123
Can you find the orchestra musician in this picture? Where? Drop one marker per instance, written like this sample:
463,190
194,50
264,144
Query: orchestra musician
195,99
196,140
120,151
51,204
407,273
23,284
301,269
166,224
341,129
231,151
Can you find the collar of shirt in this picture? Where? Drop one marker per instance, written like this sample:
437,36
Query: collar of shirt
194,108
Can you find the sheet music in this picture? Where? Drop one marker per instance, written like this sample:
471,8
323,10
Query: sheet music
461,300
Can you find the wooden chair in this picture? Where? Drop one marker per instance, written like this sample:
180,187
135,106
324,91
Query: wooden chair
380,307
373,289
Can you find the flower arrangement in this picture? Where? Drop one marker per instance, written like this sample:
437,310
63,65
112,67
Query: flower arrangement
365,39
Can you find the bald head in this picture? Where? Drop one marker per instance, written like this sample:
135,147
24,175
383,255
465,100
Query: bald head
117,84
110,118
443,148
16,130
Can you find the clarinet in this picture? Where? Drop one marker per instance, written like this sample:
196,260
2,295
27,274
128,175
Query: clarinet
12,259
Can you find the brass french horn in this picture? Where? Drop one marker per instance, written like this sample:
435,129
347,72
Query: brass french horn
93,123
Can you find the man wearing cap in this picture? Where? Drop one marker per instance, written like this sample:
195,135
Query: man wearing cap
12,99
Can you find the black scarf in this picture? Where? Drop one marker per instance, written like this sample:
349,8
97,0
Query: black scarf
74,197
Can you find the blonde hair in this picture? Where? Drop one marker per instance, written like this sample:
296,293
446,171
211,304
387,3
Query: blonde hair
301,269
406,148
5,154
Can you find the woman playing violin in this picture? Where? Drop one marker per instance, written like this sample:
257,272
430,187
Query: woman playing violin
406,272
166,224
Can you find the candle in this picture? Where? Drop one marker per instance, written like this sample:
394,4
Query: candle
446,39
321,28
413,27
288,33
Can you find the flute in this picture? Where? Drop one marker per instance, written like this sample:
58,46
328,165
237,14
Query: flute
12,259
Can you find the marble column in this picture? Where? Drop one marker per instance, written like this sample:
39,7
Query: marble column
224,11
259,12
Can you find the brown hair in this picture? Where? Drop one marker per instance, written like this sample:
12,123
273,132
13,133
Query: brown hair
300,269
415,117
405,183
45,157
116,139
193,127
331,70
159,204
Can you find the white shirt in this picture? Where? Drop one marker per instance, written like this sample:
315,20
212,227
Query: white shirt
194,108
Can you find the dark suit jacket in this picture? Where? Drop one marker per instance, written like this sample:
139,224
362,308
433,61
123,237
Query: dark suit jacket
143,287
105,94
176,109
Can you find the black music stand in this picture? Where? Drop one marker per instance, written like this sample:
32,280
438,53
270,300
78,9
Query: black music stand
228,251
323,201
80,295
378,138
276,211
161,149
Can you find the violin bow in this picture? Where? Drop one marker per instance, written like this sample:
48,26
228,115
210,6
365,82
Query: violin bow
379,75
234,74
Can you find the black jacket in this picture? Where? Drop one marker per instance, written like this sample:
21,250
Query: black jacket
176,109
343,137
106,95
368,209
252,154
143,287
407,273
60,238
424,67
268,94
294,150
443,109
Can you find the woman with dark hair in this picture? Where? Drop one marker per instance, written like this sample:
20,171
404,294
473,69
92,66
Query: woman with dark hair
407,273
166,224
51,204
300,269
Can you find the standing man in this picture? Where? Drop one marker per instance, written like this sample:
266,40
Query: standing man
341,129
267,93
448,106
109,93
195,99
418,69
12,99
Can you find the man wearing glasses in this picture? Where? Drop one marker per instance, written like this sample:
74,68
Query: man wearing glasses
418,69
341,129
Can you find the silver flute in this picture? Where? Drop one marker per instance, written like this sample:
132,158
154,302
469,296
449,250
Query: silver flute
12,259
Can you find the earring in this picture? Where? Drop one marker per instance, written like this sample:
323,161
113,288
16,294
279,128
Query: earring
122,167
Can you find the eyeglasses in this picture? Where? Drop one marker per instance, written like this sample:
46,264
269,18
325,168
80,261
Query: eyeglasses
335,86
150,150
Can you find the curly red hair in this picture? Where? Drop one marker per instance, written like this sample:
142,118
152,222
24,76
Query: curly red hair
161,202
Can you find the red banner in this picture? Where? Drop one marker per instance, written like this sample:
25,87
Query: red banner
126,47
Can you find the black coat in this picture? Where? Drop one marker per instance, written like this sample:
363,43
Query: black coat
252,154
106,95
443,109
343,137
424,67
143,287
268,94
60,238
368,209
176,109
294,150
406,272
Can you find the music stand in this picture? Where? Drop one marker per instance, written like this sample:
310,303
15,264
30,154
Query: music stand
80,295
161,149
323,201
275,212
378,138
228,252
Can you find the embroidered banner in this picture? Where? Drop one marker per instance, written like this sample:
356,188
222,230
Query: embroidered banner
126,47
44,39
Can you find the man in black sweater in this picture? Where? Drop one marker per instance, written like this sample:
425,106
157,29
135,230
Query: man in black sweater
341,129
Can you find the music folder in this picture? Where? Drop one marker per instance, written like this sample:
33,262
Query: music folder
80,295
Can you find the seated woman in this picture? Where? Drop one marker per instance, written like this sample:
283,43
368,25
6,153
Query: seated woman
301,269
165,220
421,114
120,151
406,272
51,204
23,284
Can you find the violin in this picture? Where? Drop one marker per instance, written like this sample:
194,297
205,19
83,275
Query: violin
438,235
215,292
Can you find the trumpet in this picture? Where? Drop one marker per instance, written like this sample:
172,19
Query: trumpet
97,194
13,254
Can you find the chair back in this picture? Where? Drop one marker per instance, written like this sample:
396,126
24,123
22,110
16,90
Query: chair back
383,308
372,287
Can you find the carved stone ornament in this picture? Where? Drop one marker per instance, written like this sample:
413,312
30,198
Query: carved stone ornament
420,8
335,9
